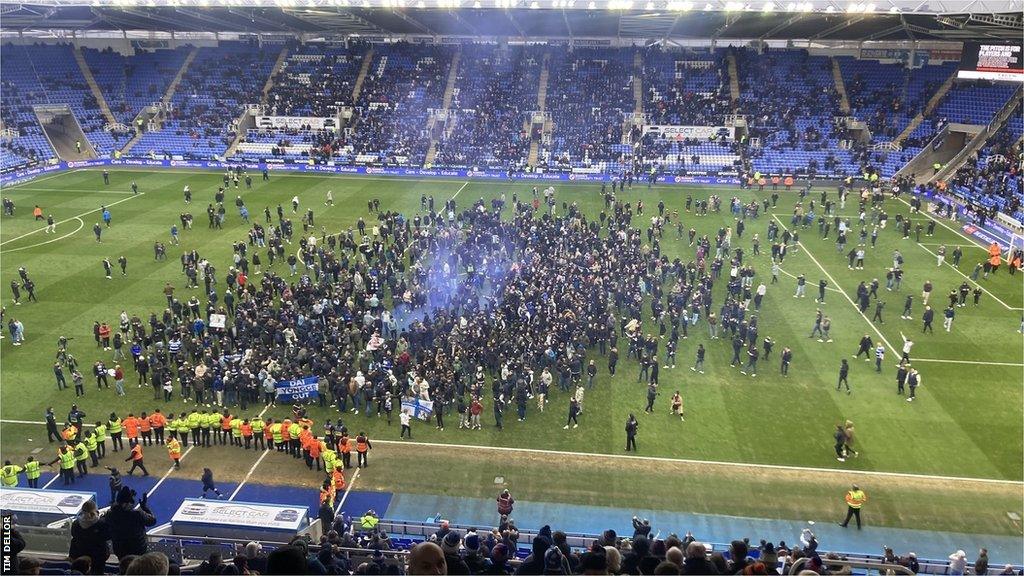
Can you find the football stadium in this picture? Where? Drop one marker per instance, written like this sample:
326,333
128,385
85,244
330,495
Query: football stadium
599,286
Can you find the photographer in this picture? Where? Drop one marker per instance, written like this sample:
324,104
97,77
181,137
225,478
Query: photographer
128,524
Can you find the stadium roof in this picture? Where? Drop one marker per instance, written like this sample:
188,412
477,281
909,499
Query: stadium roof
824,20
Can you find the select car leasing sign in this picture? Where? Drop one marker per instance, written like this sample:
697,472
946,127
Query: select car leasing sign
240,514
61,502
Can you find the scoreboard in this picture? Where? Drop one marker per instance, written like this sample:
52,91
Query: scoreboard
998,62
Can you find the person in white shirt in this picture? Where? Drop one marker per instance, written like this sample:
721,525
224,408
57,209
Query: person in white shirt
404,419
907,345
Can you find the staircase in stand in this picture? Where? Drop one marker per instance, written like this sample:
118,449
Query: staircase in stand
932,103
542,98
363,71
93,86
446,102
166,99
282,57
844,100
638,84
734,78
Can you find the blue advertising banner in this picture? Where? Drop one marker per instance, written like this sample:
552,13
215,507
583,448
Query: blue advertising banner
297,390
26,174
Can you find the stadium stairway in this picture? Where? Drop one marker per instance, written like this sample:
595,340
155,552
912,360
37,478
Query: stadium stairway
446,102
363,71
240,128
168,94
91,81
638,84
932,103
979,140
734,78
837,75
582,519
542,97
62,130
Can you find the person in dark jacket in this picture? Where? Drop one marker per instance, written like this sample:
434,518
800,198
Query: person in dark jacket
534,563
697,560
89,535
128,525
450,547
639,560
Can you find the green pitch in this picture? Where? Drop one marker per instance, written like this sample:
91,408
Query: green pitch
966,421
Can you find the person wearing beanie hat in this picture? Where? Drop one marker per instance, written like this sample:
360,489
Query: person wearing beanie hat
555,562
499,561
474,557
128,524
450,547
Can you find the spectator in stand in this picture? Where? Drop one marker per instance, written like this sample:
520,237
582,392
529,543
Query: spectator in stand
127,524
89,536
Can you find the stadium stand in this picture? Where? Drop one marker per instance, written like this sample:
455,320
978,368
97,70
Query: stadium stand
130,83
219,83
590,90
992,179
316,80
496,89
405,82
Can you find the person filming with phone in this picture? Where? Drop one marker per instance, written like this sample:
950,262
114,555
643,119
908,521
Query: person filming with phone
128,523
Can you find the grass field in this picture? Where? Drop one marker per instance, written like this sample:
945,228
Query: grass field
967,421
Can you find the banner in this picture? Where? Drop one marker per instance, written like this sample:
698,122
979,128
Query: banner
296,122
27,174
699,132
420,409
218,320
240,514
61,502
297,390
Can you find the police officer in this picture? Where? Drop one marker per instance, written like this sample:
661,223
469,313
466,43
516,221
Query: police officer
52,432
631,428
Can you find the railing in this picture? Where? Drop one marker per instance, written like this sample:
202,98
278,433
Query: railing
116,127
869,565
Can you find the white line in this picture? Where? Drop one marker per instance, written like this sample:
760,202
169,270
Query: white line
841,291
1014,364
255,465
348,489
248,475
77,190
72,218
81,225
707,462
168,473
794,277
994,297
52,480
34,180
460,189
944,225
972,245
668,459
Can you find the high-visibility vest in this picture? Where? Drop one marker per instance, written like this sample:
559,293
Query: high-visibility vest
257,424
174,449
286,431
246,430
268,431
294,430
339,479
344,446
90,442
101,433
330,457
137,453
276,431
212,421
193,420
67,459
236,427
361,444
175,424
32,470
856,498
69,433
115,426
225,422
368,522
327,495
81,452
9,474
145,425
157,420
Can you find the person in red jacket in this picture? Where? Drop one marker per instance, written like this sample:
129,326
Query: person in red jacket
505,502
